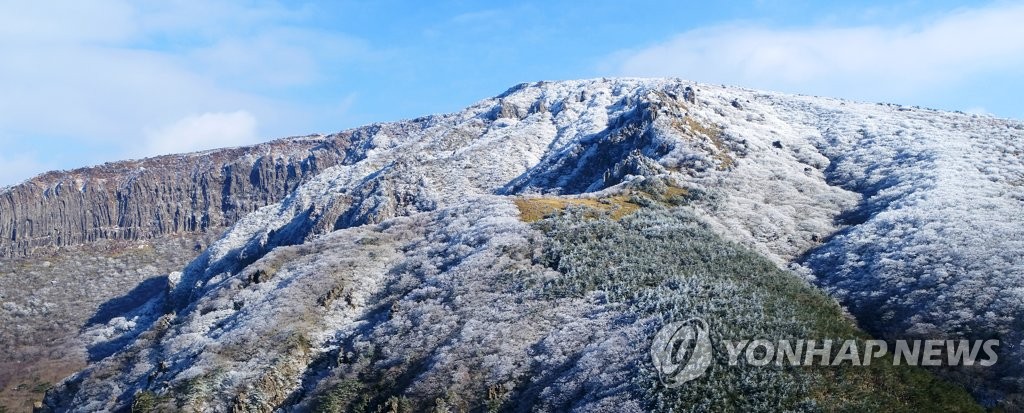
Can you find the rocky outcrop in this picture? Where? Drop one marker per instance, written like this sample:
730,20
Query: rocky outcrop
140,199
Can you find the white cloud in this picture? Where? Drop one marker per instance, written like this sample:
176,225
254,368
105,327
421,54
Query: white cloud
66,21
200,132
277,57
109,73
865,62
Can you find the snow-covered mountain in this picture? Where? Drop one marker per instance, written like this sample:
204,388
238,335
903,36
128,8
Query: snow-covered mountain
417,273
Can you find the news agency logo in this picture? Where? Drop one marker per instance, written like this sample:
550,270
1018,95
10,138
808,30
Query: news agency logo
682,351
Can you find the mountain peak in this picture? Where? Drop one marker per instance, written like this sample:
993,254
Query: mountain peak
337,236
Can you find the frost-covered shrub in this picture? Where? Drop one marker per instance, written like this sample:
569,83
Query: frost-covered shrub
469,309
934,250
661,265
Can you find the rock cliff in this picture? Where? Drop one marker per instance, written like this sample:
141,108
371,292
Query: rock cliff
140,199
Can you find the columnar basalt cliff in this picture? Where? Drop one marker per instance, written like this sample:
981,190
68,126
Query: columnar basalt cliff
140,199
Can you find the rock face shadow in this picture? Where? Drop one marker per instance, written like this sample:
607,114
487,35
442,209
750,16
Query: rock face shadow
132,305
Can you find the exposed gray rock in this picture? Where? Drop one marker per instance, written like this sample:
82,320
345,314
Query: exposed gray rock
140,199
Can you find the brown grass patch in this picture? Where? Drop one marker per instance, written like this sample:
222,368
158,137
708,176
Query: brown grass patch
29,381
534,209
674,191
714,134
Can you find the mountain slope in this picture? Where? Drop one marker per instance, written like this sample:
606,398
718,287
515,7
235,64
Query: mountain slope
48,298
104,231
847,194
467,307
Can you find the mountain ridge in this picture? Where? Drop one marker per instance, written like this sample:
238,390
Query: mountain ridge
800,180
114,200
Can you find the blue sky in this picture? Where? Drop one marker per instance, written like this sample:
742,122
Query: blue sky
87,82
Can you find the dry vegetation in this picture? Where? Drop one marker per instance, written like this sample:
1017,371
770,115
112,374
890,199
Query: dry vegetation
714,134
533,209
46,299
